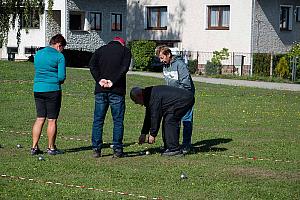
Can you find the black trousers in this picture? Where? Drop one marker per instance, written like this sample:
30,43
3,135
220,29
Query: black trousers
170,131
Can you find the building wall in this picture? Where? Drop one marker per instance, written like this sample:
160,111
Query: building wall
136,20
267,36
59,15
187,23
34,37
91,40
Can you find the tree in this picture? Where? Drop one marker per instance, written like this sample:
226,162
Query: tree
282,68
12,11
217,58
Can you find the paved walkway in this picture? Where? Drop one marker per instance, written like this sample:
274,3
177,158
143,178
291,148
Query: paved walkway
258,84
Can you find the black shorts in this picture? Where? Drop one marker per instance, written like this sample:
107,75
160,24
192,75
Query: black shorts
48,104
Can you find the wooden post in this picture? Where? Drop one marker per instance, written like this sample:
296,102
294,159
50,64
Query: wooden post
271,65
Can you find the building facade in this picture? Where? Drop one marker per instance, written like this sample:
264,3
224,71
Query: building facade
195,26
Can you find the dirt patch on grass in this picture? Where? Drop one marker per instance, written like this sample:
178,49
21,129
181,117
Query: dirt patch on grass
264,173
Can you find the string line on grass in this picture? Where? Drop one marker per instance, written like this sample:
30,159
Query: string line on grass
80,187
249,158
206,154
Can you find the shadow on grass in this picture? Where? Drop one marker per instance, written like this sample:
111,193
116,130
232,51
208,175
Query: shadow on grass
87,148
198,147
209,145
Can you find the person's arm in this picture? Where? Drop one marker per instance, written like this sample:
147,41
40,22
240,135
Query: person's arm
61,69
146,127
156,116
93,66
184,77
124,67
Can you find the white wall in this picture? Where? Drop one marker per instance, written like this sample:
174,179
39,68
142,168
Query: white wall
187,23
238,38
34,37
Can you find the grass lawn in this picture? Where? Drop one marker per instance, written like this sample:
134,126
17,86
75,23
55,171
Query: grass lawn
246,144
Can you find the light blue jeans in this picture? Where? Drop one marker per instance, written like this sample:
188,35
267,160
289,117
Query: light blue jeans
117,106
187,121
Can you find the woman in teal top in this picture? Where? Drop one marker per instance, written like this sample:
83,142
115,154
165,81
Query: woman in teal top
50,73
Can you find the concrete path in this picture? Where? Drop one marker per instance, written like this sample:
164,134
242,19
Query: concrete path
258,84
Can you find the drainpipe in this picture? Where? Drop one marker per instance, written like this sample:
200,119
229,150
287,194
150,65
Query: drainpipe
252,39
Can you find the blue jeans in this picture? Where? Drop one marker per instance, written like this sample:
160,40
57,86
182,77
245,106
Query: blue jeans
187,121
117,106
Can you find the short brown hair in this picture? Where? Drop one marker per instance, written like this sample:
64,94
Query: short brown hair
164,49
58,38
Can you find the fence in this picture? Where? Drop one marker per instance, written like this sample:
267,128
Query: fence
230,65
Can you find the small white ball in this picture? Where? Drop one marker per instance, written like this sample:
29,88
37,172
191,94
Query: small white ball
147,152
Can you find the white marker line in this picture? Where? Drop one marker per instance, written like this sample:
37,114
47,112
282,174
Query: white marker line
206,154
80,187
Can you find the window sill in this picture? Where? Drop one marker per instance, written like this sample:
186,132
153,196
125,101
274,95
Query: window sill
223,28
156,29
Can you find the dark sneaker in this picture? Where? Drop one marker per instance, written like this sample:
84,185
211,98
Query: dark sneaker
96,153
35,151
186,149
118,154
54,151
169,152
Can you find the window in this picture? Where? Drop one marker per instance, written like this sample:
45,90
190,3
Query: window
116,22
95,21
33,21
76,20
298,14
12,50
31,50
157,18
218,17
286,17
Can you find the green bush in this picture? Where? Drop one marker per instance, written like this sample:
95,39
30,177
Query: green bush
282,68
211,69
295,52
143,52
193,66
217,58
261,64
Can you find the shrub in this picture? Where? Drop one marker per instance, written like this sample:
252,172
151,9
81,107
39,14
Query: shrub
143,52
282,68
193,66
295,52
261,64
217,58
211,69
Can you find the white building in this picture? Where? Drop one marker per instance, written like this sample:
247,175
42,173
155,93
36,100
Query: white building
242,26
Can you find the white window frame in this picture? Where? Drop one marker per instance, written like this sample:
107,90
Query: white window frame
146,17
219,27
289,18
297,13
83,16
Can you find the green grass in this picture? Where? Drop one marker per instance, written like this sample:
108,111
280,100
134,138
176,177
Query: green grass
246,145
257,78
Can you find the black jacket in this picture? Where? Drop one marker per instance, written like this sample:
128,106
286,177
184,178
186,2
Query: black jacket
161,100
111,62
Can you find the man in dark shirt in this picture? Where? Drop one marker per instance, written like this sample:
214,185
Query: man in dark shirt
109,66
165,103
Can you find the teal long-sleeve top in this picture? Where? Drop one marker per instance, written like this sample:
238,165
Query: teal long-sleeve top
50,70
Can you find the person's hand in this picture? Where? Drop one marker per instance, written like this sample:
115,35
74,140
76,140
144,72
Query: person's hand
142,138
109,84
151,139
102,82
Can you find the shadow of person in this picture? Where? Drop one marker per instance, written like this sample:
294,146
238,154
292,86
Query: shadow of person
209,145
143,152
87,148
